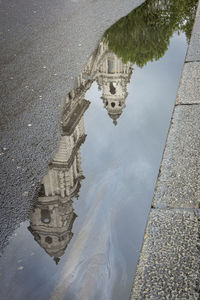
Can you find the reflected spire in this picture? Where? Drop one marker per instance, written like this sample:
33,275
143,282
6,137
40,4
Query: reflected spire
112,77
114,117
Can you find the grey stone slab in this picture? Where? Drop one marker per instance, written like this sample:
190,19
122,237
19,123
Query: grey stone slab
179,178
193,53
169,265
189,90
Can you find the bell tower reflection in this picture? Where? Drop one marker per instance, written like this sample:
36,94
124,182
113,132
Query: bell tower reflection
112,77
53,215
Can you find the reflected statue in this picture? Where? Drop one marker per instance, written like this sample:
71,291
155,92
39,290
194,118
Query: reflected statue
53,216
144,34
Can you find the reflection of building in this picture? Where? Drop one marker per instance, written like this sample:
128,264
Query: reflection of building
53,216
112,78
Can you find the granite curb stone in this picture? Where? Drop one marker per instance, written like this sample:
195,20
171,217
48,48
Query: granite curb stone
193,53
189,91
169,264
178,182
169,267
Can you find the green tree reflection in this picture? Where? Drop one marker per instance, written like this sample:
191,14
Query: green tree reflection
144,34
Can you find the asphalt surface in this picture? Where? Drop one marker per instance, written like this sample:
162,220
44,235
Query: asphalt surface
43,45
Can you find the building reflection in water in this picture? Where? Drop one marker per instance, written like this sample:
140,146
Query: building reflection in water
53,215
112,77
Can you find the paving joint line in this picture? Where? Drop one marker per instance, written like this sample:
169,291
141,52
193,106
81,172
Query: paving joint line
191,61
186,104
176,208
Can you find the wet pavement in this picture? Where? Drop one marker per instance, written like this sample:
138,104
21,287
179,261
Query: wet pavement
43,46
83,237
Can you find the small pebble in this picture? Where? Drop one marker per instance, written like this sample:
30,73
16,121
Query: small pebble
29,125
20,268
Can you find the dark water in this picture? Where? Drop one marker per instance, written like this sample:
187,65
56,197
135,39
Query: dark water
86,229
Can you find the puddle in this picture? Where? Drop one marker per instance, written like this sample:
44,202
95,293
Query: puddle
85,232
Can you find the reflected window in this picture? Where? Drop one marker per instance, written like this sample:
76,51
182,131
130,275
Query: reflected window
75,136
111,68
41,191
113,104
112,88
48,239
106,103
77,168
45,216
37,236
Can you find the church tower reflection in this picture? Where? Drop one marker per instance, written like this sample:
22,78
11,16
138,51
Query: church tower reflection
112,78
53,215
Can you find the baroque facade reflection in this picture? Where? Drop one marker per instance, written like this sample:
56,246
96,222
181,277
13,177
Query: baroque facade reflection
53,215
112,77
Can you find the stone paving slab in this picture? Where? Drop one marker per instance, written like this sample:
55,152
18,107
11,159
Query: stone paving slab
178,184
189,91
193,53
169,265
